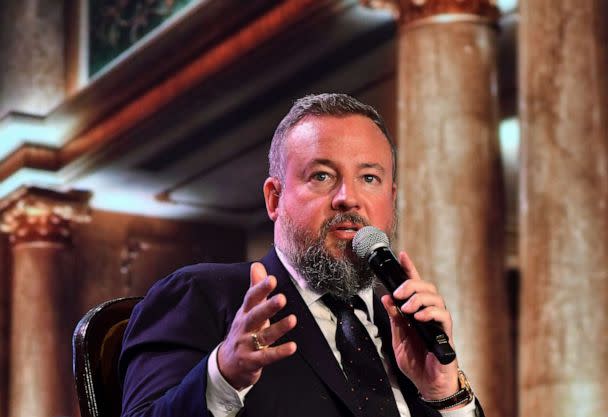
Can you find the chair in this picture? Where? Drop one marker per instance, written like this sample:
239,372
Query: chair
96,346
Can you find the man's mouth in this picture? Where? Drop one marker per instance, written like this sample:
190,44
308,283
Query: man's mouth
348,226
345,230
343,226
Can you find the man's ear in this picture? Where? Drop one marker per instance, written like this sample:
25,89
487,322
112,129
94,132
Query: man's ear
272,193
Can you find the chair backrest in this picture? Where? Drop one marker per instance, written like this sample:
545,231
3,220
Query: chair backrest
96,346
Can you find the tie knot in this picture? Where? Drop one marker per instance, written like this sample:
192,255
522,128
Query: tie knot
339,306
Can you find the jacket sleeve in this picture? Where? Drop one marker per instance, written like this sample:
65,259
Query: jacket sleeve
166,348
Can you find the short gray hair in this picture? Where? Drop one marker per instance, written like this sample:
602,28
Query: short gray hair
327,104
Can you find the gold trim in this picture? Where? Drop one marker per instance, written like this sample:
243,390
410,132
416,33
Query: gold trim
33,214
448,18
412,11
38,244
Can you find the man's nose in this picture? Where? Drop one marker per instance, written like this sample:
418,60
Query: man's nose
346,197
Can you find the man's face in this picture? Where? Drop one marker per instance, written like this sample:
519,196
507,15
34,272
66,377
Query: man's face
333,166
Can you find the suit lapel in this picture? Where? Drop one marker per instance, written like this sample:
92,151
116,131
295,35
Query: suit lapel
312,345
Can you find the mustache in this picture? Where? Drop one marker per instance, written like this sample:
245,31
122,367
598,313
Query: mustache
342,218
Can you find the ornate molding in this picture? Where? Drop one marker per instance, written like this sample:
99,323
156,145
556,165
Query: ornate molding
414,12
32,214
90,121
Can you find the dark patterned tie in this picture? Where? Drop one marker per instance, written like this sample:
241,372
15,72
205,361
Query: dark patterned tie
361,363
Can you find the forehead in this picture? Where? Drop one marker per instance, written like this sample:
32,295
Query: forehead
352,137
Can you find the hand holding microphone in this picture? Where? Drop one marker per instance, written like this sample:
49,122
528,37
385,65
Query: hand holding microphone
372,245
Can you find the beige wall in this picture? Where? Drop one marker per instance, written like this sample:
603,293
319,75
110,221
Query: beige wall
122,255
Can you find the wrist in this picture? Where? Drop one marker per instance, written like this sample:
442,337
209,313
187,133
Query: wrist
224,369
441,387
464,395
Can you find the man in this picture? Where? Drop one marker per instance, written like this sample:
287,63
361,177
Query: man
269,338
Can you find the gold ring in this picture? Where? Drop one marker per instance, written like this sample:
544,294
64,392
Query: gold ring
256,342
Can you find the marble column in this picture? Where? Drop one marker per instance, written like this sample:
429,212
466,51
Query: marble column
42,313
451,199
564,208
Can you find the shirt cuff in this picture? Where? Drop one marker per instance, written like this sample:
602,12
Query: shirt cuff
222,399
466,411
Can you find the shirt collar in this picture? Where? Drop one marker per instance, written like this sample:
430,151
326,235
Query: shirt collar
311,296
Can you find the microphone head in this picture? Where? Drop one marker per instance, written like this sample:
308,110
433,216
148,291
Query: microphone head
367,239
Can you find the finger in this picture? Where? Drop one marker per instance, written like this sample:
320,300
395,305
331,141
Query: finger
399,324
441,316
433,313
259,289
264,357
408,266
390,307
393,311
411,286
277,330
257,359
258,315
420,300
257,273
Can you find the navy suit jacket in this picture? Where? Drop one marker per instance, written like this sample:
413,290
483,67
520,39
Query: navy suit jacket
186,315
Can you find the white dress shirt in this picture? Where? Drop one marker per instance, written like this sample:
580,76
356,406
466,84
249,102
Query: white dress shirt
225,401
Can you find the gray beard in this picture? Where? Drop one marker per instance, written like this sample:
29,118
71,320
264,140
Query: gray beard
341,277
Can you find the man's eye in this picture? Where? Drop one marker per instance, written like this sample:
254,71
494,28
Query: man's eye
371,178
320,176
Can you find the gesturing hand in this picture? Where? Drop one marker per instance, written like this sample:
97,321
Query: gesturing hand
433,380
239,359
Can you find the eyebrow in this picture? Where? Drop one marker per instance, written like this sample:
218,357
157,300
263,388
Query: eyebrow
372,165
363,165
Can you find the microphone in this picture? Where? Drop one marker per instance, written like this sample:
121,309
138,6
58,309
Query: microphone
372,244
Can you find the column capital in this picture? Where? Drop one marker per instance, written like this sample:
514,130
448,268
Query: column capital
415,12
34,214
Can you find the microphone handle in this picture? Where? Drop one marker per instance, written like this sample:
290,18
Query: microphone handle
386,267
